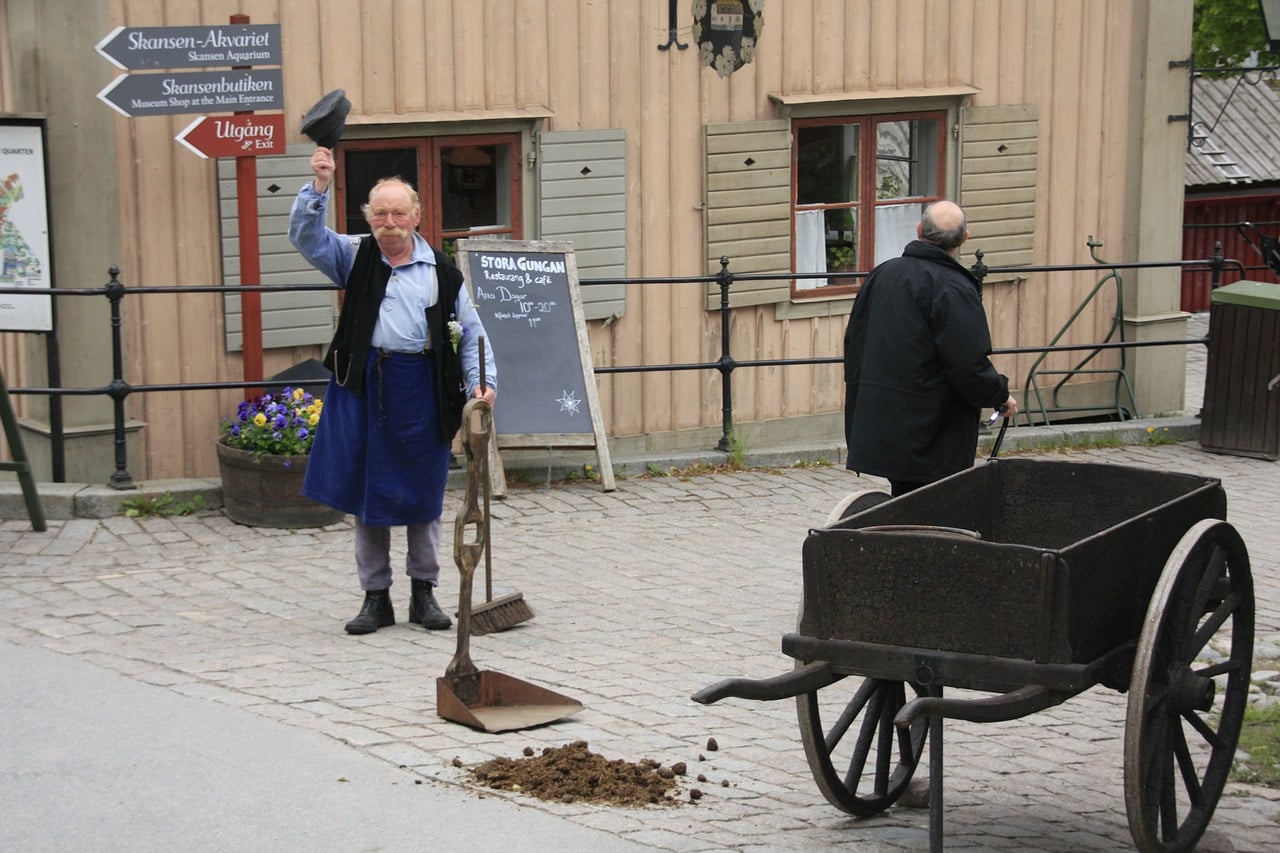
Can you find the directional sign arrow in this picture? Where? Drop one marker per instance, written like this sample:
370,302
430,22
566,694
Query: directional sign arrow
153,48
235,136
195,92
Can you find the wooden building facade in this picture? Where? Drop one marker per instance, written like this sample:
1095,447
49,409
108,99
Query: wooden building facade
1049,120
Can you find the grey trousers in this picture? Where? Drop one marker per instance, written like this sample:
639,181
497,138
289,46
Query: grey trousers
373,554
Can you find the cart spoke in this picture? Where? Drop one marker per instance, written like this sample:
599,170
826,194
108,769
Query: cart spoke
1222,667
884,737
1186,765
866,736
841,726
1206,731
1225,609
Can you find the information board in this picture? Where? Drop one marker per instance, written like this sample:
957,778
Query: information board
26,260
527,295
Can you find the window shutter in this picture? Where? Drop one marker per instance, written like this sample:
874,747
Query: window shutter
298,318
998,159
747,211
582,193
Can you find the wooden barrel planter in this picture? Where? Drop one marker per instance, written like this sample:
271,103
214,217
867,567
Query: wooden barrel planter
262,490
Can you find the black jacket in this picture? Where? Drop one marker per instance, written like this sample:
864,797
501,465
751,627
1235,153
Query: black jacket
916,368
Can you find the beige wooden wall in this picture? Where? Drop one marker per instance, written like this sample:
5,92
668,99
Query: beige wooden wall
12,352
596,65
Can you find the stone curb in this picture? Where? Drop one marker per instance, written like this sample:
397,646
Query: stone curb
64,501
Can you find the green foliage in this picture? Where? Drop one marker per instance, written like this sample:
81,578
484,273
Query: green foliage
1159,436
589,472
143,506
655,470
1226,32
1084,441
890,186
841,256
1258,755
737,451
279,425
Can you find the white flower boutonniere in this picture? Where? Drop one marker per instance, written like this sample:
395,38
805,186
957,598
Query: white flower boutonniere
456,331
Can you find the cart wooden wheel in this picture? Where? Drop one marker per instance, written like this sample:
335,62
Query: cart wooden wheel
1180,736
876,758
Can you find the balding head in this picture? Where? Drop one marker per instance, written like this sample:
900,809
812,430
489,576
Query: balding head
943,224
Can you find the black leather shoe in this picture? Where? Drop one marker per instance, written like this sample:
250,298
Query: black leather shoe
376,613
423,609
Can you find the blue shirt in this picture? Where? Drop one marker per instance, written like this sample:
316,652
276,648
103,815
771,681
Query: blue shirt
412,288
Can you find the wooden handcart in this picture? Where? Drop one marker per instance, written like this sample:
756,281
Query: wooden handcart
1030,582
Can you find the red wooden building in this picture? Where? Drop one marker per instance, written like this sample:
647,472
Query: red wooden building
1233,177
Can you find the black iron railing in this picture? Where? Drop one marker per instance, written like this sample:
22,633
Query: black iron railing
119,390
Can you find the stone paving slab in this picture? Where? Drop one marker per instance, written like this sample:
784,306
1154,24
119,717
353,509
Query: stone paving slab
641,597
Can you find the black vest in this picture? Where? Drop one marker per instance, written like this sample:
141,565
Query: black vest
349,349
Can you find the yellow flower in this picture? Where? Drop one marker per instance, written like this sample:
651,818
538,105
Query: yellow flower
298,393
259,419
1150,430
314,419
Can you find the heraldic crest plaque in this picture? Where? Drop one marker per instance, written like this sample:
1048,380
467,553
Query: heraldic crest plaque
727,32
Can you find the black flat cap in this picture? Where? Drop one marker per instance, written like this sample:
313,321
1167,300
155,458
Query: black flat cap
325,121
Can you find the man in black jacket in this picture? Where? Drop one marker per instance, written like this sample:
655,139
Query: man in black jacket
916,368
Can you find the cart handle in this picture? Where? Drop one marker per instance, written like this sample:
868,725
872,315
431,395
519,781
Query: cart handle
806,679
989,709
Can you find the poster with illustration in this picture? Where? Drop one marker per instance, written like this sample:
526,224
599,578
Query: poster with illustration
25,263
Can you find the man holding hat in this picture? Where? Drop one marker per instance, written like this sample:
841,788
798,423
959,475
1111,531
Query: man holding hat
404,358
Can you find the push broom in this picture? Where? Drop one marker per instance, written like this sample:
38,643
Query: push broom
505,611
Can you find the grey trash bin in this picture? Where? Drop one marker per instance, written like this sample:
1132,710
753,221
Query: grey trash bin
1241,414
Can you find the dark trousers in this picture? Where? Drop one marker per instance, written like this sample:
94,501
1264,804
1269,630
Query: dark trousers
901,487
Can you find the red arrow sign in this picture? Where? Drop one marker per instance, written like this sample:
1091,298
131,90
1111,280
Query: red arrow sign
245,135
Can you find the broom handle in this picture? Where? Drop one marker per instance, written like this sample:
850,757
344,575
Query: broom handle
484,476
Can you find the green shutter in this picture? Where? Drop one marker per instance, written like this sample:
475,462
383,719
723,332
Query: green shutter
297,318
747,211
998,160
582,199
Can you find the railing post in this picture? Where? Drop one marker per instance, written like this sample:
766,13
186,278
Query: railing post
979,270
118,390
1216,264
725,365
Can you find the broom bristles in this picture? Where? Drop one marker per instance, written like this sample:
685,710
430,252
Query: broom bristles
503,612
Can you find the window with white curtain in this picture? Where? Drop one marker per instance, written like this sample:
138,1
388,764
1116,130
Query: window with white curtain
859,185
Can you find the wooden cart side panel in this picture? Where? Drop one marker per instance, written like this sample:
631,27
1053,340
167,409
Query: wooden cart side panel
1056,505
1114,572
934,592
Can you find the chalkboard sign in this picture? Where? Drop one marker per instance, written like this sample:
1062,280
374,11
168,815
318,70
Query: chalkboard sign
527,295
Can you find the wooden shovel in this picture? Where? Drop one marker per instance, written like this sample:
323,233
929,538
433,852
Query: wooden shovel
490,701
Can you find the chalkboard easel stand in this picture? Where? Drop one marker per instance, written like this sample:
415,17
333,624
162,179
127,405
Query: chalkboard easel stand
526,293
557,442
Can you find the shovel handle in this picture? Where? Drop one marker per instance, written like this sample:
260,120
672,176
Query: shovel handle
484,481
477,425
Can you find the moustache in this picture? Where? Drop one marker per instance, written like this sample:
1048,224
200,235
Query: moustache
390,231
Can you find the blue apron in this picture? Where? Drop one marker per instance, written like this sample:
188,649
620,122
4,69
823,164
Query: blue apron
380,457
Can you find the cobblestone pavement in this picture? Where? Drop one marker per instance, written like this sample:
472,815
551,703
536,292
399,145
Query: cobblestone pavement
641,597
